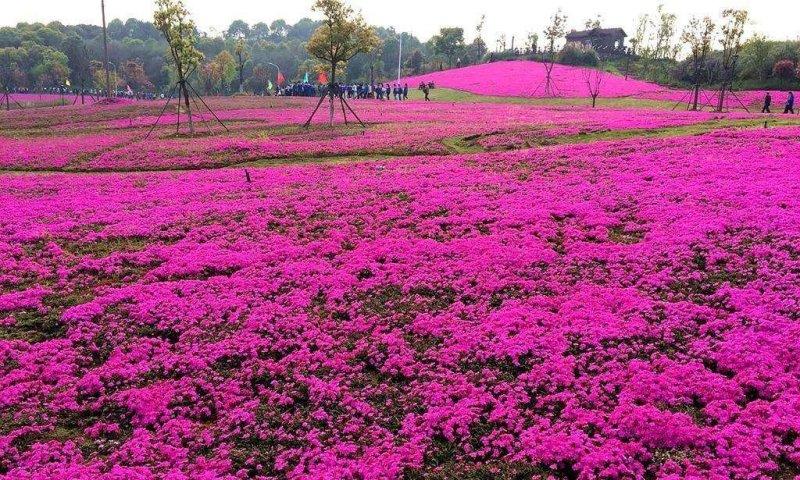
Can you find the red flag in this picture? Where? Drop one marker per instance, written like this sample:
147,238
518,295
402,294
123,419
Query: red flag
281,78
323,79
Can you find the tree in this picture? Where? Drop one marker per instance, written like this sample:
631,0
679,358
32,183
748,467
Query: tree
449,42
415,62
134,73
698,35
172,20
278,29
783,70
756,58
210,76
238,29
259,32
553,33
242,56
593,23
303,29
594,80
665,35
732,32
259,80
532,42
78,62
227,68
478,48
342,35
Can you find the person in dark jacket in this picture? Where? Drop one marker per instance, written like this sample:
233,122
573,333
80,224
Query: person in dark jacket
767,103
789,104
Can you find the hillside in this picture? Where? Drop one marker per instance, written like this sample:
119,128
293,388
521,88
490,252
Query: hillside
527,79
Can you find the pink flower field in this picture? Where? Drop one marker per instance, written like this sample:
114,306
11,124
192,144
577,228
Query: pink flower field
457,291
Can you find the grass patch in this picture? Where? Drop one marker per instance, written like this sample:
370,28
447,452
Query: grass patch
446,95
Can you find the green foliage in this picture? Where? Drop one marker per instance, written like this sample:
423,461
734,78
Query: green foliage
342,35
172,20
449,42
578,54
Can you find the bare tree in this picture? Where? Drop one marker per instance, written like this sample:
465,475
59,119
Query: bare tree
594,80
553,33
698,34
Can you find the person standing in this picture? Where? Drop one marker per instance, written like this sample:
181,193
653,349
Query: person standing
427,92
767,103
405,92
789,104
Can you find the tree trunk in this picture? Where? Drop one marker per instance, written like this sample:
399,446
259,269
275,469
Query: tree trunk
696,96
241,80
188,107
594,101
331,93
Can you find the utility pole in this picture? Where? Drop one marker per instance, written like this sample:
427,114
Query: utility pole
400,58
105,48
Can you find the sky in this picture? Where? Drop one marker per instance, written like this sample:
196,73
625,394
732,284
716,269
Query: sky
778,19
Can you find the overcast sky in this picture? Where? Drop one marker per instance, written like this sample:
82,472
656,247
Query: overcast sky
779,19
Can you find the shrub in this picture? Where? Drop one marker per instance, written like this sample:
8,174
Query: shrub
578,54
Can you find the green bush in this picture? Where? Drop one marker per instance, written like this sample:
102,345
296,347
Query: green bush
578,54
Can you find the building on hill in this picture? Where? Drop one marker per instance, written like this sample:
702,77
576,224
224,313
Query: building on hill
606,40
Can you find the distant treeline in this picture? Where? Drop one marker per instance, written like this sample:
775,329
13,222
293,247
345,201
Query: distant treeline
36,55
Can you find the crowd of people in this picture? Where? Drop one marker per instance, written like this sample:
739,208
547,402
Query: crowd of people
91,92
377,91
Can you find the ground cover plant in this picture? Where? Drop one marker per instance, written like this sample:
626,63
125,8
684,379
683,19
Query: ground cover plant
460,290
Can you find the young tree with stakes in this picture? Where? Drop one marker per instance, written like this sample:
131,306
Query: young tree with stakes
698,34
732,31
553,32
172,20
342,35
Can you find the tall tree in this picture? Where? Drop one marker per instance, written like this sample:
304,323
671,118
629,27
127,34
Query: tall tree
238,29
259,32
342,35
227,68
242,56
755,58
134,73
449,42
172,20
78,62
698,35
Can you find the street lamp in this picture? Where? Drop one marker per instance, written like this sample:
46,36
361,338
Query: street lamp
279,72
